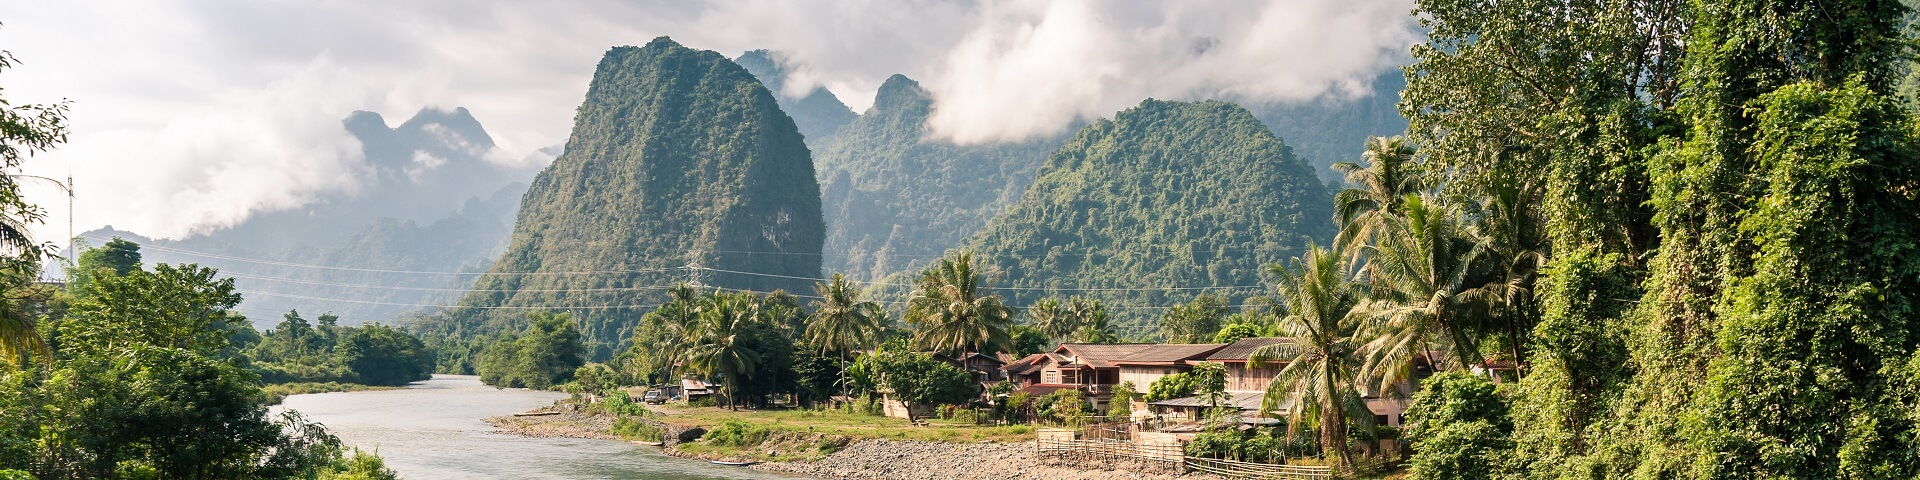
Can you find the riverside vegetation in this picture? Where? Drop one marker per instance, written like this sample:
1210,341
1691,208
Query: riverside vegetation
135,372
1647,225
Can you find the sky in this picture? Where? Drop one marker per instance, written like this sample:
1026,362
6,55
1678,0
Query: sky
190,115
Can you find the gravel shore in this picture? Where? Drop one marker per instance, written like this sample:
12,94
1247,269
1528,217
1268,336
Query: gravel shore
916,460
872,459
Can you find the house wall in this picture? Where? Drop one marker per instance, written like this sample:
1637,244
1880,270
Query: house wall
1243,379
1144,376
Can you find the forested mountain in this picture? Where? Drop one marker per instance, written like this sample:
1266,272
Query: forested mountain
895,199
818,114
1164,195
1328,129
430,201
681,167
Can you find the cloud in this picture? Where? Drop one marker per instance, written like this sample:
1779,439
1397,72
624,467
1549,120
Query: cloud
191,114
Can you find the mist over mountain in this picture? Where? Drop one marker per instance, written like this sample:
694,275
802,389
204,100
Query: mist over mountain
1165,194
1335,129
430,200
818,113
678,158
895,198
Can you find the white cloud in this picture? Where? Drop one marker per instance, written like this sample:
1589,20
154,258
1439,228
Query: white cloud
189,114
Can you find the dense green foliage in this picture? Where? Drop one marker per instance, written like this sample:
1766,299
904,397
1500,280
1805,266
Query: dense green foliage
1459,428
373,354
1725,215
678,158
546,354
920,379
895,198
952,313
147,379
1163,194
750,345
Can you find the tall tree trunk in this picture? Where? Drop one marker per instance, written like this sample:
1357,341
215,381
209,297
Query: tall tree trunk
1333,424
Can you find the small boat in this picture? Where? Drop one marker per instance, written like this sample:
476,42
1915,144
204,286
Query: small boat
535,414
731,464
650,444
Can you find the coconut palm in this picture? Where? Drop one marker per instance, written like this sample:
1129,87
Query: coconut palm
842,322
1093,325
1320,359
1051,318
1426,291
1361,210
719,351
953,313
1511,223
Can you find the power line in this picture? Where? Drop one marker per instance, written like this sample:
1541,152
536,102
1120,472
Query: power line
377,270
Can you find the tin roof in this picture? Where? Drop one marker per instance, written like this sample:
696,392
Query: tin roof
1247,401
1169,353
1238,351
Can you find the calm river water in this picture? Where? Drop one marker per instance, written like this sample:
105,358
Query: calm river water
432,430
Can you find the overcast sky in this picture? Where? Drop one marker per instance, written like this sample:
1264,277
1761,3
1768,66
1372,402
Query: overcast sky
197,113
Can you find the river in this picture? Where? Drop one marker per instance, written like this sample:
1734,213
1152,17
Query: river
432,430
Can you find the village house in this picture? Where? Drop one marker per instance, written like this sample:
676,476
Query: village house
1082,366
1247,385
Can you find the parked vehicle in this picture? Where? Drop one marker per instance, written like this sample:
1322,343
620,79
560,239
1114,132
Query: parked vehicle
654,397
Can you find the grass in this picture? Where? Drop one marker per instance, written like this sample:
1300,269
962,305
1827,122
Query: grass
275,393
851,425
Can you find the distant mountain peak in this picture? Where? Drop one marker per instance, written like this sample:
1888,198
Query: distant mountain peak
818,113
900,92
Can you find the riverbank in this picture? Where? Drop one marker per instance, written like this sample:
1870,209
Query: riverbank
275,393
822,444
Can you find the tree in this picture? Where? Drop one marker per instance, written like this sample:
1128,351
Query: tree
842,322
171,307
1361,211
381,355
1426,291
1178,385
544,355
116,257
953,312
920,379
1120,407
720,350
1050,318
1458,428
1233,332
1195,321
1321,354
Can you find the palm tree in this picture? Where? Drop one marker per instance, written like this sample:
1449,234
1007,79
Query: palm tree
1514,228
1049,317
1426,289
952,314
718,350
1320,358
1093,325
19,337
1361,210
843,322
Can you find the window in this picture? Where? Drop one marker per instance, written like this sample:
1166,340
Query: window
1051,376
1166,371
1380,419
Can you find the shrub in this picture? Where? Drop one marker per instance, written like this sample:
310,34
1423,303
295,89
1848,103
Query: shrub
736,433
636,429
1214,444
1458,426
707,401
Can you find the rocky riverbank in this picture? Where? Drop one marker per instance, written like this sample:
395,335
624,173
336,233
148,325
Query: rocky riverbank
556,423
864,459
916,460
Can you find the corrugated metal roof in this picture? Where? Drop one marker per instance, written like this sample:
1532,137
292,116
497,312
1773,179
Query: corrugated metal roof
1170,353
1100,355
1238,351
